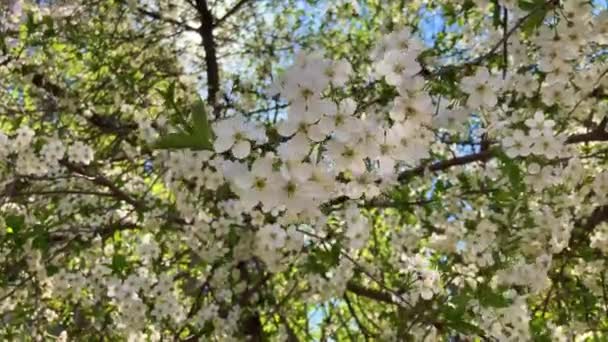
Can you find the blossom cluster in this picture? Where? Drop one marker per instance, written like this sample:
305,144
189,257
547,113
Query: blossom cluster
460,197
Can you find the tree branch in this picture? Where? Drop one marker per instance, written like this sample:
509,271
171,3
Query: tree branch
370,293
103,181
598,216
230,12
446,164
598,134
206,33
158,16
364,330
501,43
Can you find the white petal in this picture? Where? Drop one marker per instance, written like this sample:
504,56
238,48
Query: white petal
511,152
241,149
287,128
223,143
490,99
426,294
473,101
315,134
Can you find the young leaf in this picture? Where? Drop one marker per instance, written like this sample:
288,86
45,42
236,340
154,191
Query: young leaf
119,263
526,5
169,97
496,17
197,137
535,20
181,141
200,122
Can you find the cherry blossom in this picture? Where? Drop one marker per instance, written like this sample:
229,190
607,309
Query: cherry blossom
235,134
243,172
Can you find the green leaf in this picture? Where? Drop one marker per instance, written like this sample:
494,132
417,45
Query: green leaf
200,122
41,241
198,135
119,263
513,172
468,5
51,269
489,297
14,223
332,256
47,21
527,5
502,196
117,237
534,21
30,23
183,141
496,17
323,260
169,97
464,327
169,94
456,310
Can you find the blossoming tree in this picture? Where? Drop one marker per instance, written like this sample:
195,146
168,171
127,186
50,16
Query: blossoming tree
287,170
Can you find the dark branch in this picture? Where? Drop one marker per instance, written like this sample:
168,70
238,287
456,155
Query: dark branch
446,164
598,134
230,12
206,33
505,59
159,17
370,293
595,135
103,181
501,43
598,216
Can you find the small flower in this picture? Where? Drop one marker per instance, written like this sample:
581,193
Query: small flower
518,144
80,153
482,88
235,134
538,124
398,65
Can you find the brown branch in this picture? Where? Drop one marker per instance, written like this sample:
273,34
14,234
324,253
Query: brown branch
364,330
595,92
366,292
6,61
595,135
291,335
501,43
598,216
103,181
206,33
62,192
505,37
230,12
159,17
505,59
106,124
598,134
446,164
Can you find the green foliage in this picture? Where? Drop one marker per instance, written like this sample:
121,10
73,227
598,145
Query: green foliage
513,172
195,135
537,11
